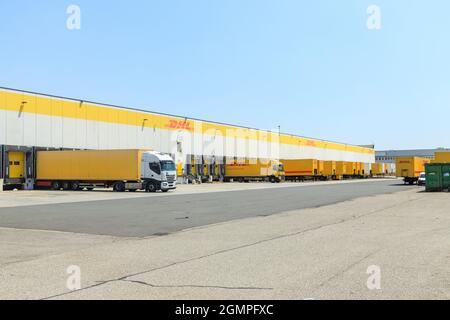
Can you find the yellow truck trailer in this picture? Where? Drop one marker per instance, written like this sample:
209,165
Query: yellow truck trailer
330,169
254,170
410,168
120,169
351,169
442,157
301,169
341,169
378,169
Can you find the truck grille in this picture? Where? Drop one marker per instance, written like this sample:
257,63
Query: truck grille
170,178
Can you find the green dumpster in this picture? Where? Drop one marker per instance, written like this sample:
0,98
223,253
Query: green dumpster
437,176
446,176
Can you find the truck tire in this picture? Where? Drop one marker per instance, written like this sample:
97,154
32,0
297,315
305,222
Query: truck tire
119,186
56,185
75,186
66,185
151,187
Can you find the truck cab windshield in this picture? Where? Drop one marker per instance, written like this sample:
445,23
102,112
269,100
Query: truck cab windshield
167,165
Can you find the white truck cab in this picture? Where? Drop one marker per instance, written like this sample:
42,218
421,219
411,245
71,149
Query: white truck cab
158,171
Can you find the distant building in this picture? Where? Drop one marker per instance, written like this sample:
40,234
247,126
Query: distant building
388,156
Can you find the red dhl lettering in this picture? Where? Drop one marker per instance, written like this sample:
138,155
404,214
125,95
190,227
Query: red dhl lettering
183,125
310,143
238,165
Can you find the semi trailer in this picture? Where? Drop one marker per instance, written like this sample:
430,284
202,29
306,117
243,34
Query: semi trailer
410,168
121,170
302,169
254,170
330,170
442,157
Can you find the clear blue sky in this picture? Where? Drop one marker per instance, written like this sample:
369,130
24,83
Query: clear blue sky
312,67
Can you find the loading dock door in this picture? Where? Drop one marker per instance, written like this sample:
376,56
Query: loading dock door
16,161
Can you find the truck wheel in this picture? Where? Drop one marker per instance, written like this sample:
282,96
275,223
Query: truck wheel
151,187
119,187
66,186
75,186
56,185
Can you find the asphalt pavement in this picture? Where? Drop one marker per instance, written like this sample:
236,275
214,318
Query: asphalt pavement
149,216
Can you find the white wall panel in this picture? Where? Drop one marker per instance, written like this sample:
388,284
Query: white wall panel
81,134
69,133
29,129
14,125
43,131
2,123
103,138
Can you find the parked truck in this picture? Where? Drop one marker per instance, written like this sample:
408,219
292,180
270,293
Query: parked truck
442,157
120,169
254,170
410,168
378,169
341,169
330,170
302,169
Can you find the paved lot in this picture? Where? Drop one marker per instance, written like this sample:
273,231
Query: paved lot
142,216
320,253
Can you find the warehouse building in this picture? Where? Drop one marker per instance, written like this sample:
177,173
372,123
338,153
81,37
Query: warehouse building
389,156
30,122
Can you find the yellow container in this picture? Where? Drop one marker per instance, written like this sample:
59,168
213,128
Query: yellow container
378,169
301,167
329,168
254,168
321,165
341,168
350,168
95,165
442,157
359,168
410,167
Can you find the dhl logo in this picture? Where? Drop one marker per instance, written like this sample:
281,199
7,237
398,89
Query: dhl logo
183,125
310,143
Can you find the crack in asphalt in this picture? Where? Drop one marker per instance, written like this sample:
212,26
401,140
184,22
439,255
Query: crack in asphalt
195,286
283,236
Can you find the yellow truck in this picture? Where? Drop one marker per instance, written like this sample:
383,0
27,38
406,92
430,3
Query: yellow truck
378,169
350,169
442,157
254,170
120,169
341,169
302,169
410,168
330,169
